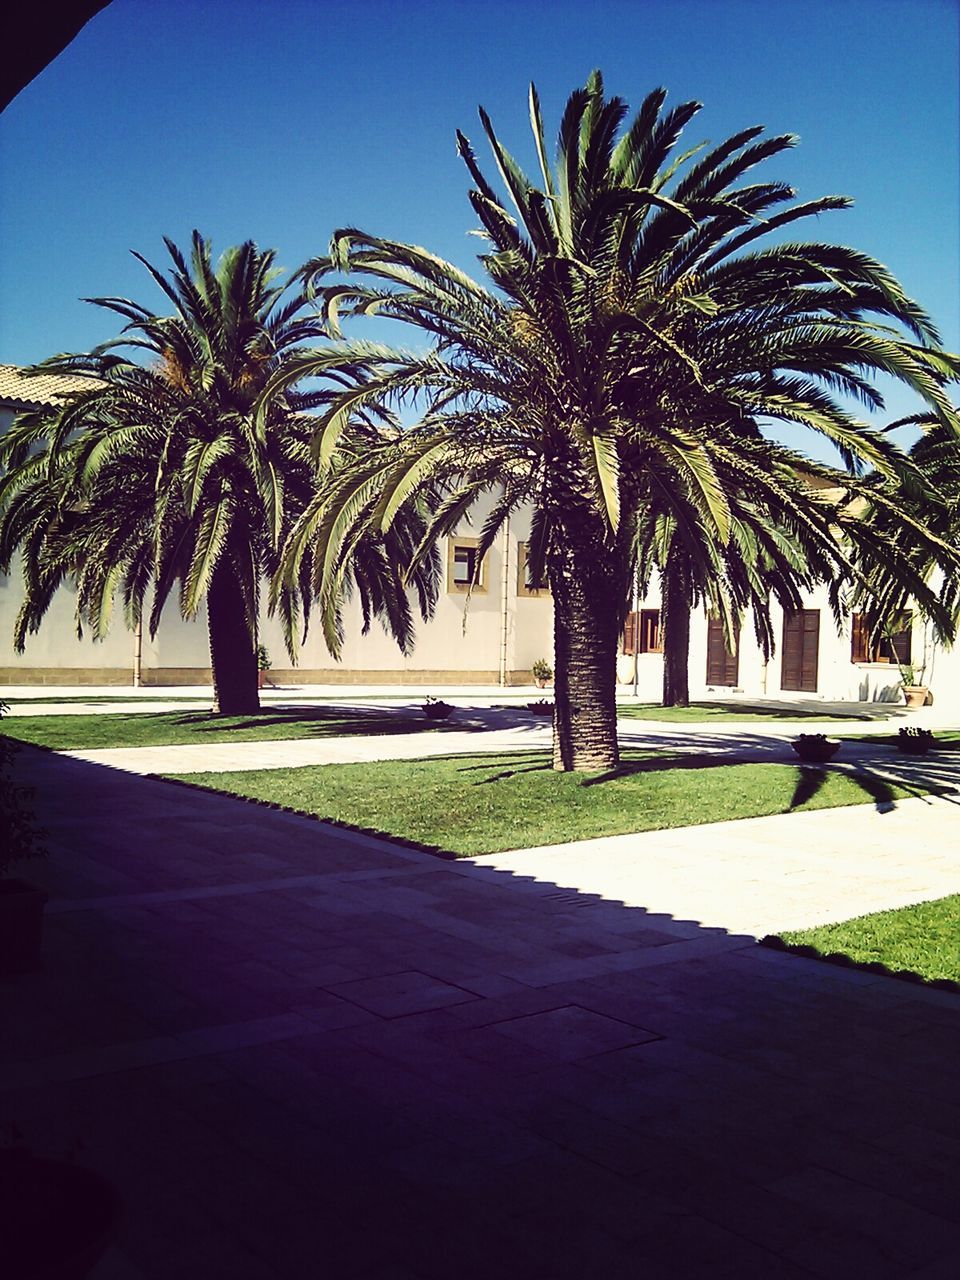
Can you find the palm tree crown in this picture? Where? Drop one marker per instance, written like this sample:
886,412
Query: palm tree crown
162,474
615,371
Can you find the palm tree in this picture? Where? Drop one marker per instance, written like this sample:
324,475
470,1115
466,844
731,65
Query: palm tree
880,531
162,474
615,368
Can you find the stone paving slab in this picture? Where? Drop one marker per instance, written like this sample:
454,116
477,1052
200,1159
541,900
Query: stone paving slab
576,1086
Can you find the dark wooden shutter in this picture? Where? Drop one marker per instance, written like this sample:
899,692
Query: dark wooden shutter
628,642
723,667
801,650
859,639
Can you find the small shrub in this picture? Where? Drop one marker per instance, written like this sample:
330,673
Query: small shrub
914,741
542,707
263,658
542,670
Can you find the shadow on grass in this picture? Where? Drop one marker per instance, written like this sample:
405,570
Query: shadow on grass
320,721
812,780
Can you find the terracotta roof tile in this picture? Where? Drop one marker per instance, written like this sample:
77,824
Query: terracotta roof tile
21,392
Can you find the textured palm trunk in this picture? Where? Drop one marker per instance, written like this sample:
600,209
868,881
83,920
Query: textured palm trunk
675,622
233,655
587,590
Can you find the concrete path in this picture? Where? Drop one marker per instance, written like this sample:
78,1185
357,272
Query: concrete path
516,731
763,875
301,1052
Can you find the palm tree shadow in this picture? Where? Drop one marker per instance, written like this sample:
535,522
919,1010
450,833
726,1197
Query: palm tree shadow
314,721
658,763
811,781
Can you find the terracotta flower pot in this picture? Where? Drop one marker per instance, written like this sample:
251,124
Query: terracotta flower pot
915,695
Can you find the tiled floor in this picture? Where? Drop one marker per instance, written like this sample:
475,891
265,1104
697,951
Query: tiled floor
299,1052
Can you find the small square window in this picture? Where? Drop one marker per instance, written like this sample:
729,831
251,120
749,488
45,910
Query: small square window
524,587
464,572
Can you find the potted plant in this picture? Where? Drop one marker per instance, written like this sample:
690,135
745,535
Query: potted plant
815,748
914,741
263,665
21,903
915,692
436,709
542,673
56,1217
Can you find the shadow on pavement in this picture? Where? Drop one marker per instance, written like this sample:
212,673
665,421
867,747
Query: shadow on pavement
300,1052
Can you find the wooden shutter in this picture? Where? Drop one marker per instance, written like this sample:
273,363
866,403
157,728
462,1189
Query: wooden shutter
859,639
723,667
801,650
628,642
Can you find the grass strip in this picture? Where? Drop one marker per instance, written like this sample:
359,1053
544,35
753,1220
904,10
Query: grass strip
920,941
720,712
179,728
475,804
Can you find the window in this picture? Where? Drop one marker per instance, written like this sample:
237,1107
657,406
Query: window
895,646
463,569
524,587
641,632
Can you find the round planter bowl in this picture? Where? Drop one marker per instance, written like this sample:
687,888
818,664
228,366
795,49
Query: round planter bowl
816,753
915,695
434,711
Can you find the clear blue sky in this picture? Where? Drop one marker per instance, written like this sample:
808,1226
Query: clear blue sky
281,121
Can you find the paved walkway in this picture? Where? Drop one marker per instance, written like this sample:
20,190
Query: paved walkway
763,875
302,1052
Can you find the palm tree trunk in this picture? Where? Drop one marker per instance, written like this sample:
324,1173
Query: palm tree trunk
675,623
233,656
587,592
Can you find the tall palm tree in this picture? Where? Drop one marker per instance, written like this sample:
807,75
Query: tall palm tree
614,369
162,474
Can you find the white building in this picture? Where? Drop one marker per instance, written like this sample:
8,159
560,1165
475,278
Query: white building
491,635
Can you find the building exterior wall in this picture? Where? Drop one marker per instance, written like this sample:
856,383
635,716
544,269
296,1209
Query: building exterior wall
493,635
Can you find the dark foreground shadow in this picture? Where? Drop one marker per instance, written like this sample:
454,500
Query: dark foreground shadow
300,1052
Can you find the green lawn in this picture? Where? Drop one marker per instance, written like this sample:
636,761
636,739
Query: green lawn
924,938
106,700
175,728
486,803
704,712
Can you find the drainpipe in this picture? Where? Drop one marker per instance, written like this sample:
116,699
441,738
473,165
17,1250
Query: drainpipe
137,652
635,606
504,602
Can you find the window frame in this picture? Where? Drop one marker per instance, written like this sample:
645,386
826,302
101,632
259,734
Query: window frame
867,653
462,588
524,591
634,639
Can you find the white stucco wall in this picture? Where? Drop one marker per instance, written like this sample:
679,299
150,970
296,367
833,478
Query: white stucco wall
470,638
